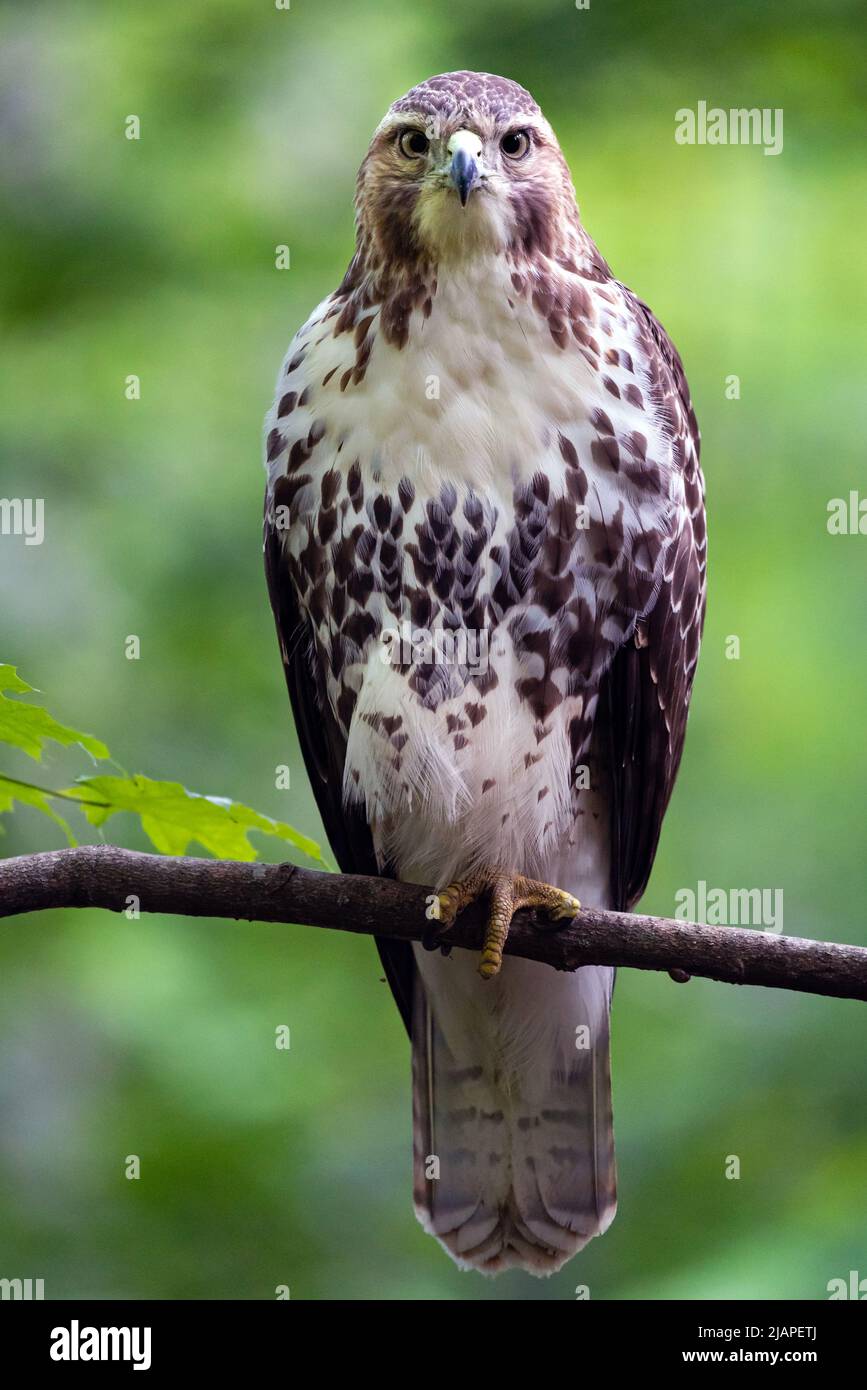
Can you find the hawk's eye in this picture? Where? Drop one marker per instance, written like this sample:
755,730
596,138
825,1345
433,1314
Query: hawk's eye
515,144
413,143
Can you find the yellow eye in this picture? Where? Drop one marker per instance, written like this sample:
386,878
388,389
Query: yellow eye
515,144
413,143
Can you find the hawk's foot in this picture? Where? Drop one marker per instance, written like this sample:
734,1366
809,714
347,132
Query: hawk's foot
507,893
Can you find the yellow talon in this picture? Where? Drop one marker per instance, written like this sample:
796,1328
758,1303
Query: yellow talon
508,892
567,909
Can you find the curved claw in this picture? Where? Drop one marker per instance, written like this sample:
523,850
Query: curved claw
430,937
558,916
567,911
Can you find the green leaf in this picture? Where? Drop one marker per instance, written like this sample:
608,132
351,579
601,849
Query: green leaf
11,790
172,817
29,727
10,680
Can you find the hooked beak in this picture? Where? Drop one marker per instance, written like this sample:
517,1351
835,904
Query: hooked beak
465,148
464,174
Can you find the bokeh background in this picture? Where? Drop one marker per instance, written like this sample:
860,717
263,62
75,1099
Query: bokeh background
156,258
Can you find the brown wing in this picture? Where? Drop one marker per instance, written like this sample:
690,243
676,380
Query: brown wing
645,699
324,750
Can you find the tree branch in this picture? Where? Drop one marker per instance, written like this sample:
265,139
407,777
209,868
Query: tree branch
105,876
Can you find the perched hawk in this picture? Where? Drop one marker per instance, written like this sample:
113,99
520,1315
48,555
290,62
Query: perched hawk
485,547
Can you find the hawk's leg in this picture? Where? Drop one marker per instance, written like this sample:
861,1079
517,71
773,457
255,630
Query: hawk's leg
507,893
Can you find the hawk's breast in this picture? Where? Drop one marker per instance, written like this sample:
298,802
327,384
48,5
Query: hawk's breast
473,521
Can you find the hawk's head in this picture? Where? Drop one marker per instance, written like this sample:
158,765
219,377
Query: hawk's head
464,163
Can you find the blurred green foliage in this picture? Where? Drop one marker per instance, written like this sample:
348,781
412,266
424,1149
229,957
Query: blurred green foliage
156,258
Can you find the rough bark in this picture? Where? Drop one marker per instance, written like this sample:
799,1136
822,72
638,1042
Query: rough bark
106,876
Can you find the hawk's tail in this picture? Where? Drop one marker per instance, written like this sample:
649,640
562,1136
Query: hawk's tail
513,1131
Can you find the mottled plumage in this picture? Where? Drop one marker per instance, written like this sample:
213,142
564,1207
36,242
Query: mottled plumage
482,431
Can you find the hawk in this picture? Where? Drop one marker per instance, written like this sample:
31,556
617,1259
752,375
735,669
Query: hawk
485,549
